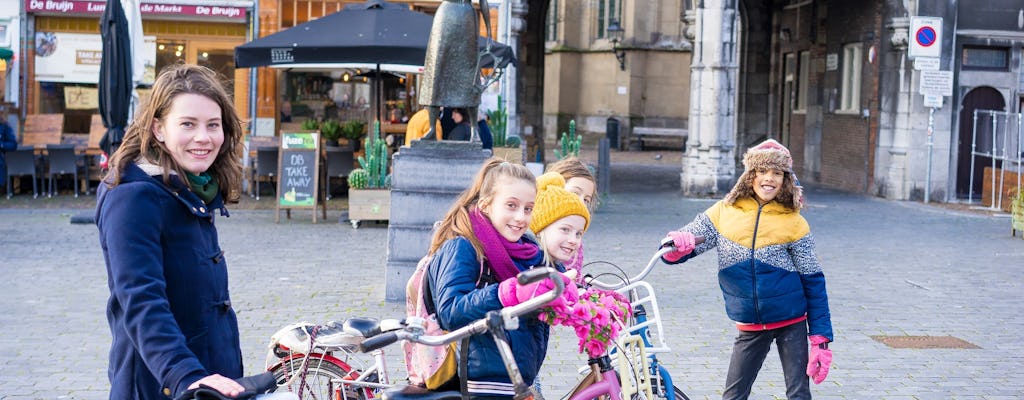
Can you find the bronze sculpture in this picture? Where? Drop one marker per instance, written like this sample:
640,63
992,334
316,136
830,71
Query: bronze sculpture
451,70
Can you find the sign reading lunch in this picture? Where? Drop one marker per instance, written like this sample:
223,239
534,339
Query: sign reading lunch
71,7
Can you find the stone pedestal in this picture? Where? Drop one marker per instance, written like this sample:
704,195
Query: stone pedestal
426,179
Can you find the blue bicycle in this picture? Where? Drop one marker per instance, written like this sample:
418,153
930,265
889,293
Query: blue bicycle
638,345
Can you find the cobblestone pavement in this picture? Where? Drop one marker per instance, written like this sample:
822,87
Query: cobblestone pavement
893,268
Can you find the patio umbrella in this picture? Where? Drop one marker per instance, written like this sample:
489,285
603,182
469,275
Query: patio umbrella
115,86
375,32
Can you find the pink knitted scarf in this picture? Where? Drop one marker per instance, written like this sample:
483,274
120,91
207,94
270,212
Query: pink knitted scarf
499,251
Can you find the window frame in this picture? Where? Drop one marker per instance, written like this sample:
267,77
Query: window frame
606,11
803,65
966,66
850,80
551,22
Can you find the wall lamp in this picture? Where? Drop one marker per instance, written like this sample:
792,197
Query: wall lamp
615,33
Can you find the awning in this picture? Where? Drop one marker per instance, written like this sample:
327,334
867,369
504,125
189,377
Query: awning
6,54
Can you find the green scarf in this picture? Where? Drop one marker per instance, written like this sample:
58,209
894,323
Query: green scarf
203,185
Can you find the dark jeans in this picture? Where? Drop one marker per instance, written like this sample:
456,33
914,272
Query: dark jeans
749,352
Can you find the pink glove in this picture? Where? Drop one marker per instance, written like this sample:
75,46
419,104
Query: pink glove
510,292
820,359
684,243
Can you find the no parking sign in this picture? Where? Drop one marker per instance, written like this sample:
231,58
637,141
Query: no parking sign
925,37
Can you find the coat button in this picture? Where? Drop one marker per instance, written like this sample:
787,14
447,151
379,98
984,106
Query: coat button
193,209
167,391
202,209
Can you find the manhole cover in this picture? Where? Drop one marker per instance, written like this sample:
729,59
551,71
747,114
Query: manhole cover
925,342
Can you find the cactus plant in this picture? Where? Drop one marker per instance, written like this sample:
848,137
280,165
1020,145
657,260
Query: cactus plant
512,141
375,162
358,178
499,127
570,143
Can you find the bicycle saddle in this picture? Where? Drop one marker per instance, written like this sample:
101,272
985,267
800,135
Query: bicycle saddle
364,327
419,393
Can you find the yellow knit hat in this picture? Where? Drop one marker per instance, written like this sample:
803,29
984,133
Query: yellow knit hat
554,203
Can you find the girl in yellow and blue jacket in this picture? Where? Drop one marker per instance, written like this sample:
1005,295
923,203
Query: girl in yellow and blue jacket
773,285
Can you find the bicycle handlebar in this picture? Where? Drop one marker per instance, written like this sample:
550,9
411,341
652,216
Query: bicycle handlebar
666,247
413,332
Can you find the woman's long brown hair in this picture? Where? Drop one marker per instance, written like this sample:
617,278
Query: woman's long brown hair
140,141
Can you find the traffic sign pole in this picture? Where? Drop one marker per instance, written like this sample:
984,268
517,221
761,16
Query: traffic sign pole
931,145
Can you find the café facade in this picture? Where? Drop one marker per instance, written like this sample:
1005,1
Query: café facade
63,49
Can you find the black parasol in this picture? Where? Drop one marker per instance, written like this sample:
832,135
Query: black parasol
115,86
375,32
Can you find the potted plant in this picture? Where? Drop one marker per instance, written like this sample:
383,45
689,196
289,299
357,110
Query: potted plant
310,125
369,194
504,146
331,131
353,130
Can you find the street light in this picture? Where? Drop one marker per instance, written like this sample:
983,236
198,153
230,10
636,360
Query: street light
615,33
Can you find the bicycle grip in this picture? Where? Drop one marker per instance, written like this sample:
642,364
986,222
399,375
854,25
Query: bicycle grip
377,342
532,275
666,242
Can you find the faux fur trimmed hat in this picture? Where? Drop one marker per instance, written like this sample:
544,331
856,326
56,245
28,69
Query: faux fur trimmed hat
768,154
554,203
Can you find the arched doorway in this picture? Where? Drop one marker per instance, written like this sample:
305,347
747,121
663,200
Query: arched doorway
980,134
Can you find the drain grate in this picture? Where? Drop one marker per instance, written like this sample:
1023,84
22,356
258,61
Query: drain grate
925,342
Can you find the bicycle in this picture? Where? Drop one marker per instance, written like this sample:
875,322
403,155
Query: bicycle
603,381
639,353
319,361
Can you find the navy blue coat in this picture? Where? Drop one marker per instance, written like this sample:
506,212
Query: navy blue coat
169,310
454,272
8,141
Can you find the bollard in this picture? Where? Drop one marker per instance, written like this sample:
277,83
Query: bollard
604,171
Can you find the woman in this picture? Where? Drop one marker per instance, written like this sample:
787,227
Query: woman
462,128
169,310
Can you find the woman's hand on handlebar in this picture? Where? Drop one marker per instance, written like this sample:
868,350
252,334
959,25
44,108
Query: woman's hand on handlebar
224,385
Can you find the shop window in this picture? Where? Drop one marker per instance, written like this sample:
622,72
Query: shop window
985,58
222,61
803,80
607,10
551,33
169,53
850,91
78,102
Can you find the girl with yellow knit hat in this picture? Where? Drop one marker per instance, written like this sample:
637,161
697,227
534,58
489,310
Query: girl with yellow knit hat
773,285
559,220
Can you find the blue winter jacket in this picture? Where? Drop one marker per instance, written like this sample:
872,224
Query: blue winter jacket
169,310
454,272
767,266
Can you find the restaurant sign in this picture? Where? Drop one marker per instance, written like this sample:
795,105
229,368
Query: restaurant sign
77,7
75,57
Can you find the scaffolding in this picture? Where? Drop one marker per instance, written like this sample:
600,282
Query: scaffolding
1000,139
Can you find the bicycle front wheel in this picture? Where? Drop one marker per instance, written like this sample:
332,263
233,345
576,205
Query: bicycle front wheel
679,393
320,381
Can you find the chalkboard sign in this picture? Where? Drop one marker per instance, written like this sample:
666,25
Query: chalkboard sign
298,172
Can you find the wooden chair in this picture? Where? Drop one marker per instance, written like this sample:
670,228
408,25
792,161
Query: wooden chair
96,131
43,129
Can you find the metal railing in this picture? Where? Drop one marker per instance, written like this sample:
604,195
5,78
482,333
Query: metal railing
1002,141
